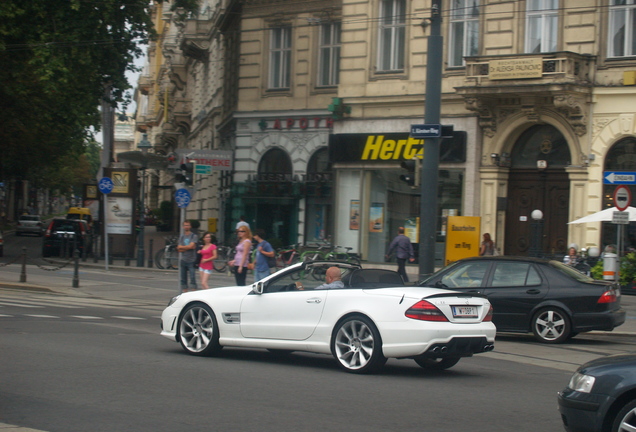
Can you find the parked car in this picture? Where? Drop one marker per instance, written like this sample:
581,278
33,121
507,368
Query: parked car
550,299
29,224
372,318
601,396
63,235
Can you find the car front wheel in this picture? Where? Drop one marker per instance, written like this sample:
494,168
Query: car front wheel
357,346
625,419
198,331
551,325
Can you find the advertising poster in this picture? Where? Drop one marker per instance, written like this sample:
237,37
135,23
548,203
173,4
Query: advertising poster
354,215
119,215
376,217
412,229
462,239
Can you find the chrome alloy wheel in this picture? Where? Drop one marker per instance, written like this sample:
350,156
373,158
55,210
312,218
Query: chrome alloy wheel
357,346
197,330
551,326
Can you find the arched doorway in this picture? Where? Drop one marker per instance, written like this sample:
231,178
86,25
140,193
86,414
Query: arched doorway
620,158
538,181
275,206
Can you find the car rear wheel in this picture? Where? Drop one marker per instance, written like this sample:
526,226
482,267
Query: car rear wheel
198,331
551,325
437,363
356,345
625,419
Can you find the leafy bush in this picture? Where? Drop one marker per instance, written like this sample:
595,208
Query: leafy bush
627,271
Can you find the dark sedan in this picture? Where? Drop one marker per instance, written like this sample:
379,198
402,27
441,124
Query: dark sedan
64,235
601,396
550,299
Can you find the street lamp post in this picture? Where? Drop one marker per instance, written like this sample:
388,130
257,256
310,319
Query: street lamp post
143,145
537,233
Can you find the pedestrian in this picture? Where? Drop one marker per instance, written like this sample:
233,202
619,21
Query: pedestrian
187,245
241,258
264,250
403,248
572,258
487,246
242,223
208,255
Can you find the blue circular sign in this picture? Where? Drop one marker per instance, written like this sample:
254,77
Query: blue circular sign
182,197
106,185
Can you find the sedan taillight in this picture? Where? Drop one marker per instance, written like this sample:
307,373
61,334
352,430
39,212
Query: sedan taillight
425,311
608,296
489,314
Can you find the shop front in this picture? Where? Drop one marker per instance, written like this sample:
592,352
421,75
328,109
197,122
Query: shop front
374,196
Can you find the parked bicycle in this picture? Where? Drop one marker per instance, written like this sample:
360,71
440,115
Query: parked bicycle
224,254
316,254
345,256
168,257
287,257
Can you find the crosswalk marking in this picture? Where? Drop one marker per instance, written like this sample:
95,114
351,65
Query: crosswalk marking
42,316
129,318
19,305
86,317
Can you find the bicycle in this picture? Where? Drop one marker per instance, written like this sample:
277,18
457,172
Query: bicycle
168,257
223,255
316,254
346,256
287,257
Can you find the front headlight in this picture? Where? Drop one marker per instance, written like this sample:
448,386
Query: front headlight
581,383
173,299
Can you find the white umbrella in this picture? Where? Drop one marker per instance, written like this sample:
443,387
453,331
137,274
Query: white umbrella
605,216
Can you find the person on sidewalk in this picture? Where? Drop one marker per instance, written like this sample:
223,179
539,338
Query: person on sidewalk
403,248
187,246
208,255
264,250
242,223
242,256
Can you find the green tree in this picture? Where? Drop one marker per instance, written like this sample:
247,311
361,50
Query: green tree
56,58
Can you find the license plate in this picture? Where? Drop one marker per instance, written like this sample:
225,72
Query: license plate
464,311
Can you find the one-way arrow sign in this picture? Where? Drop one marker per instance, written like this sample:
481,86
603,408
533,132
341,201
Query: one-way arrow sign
619,178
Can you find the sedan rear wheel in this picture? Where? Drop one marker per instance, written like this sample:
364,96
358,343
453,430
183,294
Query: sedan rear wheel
198,331
551,325
357,346
437,363
625,419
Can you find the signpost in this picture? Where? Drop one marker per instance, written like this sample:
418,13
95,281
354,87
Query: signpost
619,178
622,200
106,186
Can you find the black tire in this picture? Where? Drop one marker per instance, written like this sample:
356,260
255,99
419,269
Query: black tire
220,263
625,420
357,346
437,363
198,332
159,259
551,325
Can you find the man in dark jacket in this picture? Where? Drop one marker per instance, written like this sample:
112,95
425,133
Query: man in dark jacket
403,251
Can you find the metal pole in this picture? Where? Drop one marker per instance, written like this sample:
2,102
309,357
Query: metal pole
142,222
430,163
76,269
23,277
106,240
150,243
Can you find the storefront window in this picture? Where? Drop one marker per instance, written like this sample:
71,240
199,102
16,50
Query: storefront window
318,187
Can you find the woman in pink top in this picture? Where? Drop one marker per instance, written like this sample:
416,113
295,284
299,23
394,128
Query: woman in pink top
208,254
241,258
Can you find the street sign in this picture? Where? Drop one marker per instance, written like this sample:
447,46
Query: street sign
619,178
426,130
106,185
620,217
622,198
182,197
202,169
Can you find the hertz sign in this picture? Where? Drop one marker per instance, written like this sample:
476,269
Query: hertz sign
391,147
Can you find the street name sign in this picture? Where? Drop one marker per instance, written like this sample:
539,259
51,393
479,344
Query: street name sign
620,217
426,130
622,198
182,197
202,169
106,185
619,178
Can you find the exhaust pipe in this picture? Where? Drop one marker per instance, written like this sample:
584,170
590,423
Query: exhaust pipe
444,350
436,350
489,347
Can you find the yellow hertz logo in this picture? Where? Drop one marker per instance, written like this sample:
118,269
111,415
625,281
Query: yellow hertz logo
379,148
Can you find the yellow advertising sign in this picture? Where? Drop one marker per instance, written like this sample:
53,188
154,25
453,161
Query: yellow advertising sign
462,238
121,181
515,68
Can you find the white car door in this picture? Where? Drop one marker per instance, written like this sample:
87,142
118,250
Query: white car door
288,315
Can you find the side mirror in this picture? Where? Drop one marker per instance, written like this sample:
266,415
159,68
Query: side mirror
257,288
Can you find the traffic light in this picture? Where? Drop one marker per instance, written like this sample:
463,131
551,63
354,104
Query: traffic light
187,171
412,177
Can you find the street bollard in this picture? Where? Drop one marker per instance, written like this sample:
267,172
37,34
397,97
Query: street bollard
23,272
110,250
150,263
96,250
76,270
128,253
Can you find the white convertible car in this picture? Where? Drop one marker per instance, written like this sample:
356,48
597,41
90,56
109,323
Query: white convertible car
372,318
